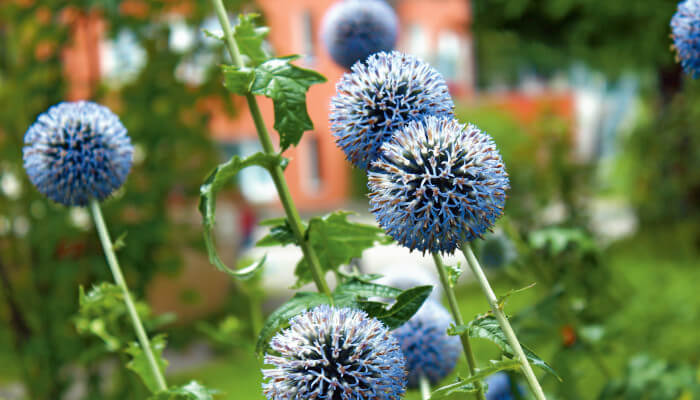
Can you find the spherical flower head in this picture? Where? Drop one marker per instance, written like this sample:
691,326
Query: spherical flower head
436,184
77,151
334,354
429,351
379,97
352,30
685,27
500,387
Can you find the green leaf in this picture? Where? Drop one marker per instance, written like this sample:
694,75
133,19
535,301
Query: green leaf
453,273
468,385
336,242
361,288
250,38
406,305
502,299
191,391
280,233
120,243
286,84
140,365
216,180
487,327
101,310
279,319
238,80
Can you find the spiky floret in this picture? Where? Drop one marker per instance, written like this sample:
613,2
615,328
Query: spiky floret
77,151
436,184
429,351
685,27
379,97
334,354
352,30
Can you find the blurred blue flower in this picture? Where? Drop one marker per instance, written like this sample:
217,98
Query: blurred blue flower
334,354
381,96
685,27
500,387
429,351
77,151
352,30
436,184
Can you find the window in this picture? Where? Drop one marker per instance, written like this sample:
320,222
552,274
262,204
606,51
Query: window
307,38
313,178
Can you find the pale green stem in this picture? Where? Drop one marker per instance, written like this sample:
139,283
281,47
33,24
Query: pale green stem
108,248
502,321
457,316
424,387
276,172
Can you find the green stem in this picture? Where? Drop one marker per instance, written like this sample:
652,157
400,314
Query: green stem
424,387
502,320
108,248
457,316
276,172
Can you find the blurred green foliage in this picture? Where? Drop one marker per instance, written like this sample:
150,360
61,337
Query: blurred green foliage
47,251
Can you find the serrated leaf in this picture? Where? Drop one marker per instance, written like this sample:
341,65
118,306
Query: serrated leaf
406,305
286,84
190,391
487,327
453,273
468,385
280,233
140,365
361,288
101,310
336,242
238,80
214,182
279,319
250,38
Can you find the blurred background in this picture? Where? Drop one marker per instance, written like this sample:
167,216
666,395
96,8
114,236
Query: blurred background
597,125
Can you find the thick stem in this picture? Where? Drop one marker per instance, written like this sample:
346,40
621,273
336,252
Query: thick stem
424,387
502,321
457,316
276,172
108,248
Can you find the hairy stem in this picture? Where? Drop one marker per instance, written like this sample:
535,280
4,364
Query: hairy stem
457,316
108,248
276,172
502,321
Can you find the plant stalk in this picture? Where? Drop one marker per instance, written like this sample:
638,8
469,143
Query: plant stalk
457,316
111,257
502,321
424,387
276,172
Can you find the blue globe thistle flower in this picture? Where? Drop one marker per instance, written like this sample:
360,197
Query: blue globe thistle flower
352,30
685,27
436,184
77,151
334,354
381,96
500,387
429,351
496,251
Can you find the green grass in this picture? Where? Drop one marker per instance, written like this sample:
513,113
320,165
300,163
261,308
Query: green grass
657,272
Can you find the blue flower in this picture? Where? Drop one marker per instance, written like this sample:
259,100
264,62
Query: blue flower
380,97
685,27
352,30
500,387
429,351
334,354
78,151
436,184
